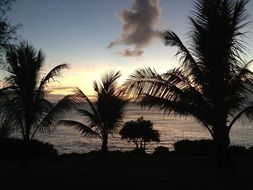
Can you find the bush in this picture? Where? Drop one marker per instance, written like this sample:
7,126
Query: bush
250,151
138,151
140,132
161,150
200,147
238,150
206,147
15,148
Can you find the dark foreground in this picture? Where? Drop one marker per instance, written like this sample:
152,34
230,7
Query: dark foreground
125,171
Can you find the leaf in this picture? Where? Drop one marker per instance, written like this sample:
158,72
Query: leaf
84,129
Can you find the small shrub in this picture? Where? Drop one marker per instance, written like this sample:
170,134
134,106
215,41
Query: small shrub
250,151
15,148
200,147
138,151
206,147
161,150
238,150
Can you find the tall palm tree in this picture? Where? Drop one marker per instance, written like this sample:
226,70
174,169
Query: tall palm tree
105,114
213,83
23,99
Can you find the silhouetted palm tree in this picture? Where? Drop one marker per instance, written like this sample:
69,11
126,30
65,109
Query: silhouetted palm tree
213,83
23,99
5,128
104,115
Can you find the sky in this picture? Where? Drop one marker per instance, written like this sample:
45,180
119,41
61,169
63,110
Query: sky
95,36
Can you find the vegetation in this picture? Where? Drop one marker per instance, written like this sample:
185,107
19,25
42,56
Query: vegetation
23,102
196,147
5,128
103,116
161,150
7,31
15,149
205,147
126,170
213,83
140,132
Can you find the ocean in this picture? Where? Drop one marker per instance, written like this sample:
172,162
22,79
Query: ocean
171,128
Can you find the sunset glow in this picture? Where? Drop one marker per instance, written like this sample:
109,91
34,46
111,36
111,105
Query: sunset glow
126,94
81,32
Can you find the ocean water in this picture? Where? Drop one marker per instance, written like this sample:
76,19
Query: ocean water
171,128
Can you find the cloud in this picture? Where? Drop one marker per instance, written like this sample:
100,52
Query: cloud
62,87
131,53
139,25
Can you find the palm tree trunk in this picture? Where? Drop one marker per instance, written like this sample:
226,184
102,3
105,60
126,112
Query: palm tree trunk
103,152
27,153
27,146
221,144
220,130
104,147
221,135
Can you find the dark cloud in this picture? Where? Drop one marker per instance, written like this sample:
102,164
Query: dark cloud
138,26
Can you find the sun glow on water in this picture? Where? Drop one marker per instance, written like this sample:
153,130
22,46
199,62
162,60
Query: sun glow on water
170,127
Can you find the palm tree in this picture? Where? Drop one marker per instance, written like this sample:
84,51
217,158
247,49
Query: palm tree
23,98
213,83
104,115
5,128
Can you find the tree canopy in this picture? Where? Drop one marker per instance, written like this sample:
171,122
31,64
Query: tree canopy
7,30
140,132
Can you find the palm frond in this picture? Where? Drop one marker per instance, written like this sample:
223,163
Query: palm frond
79,94
245,114
138,82
200,113
55,72
51,119
108,83
239,16
10,108
171,39
92,118
239,87
84,129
